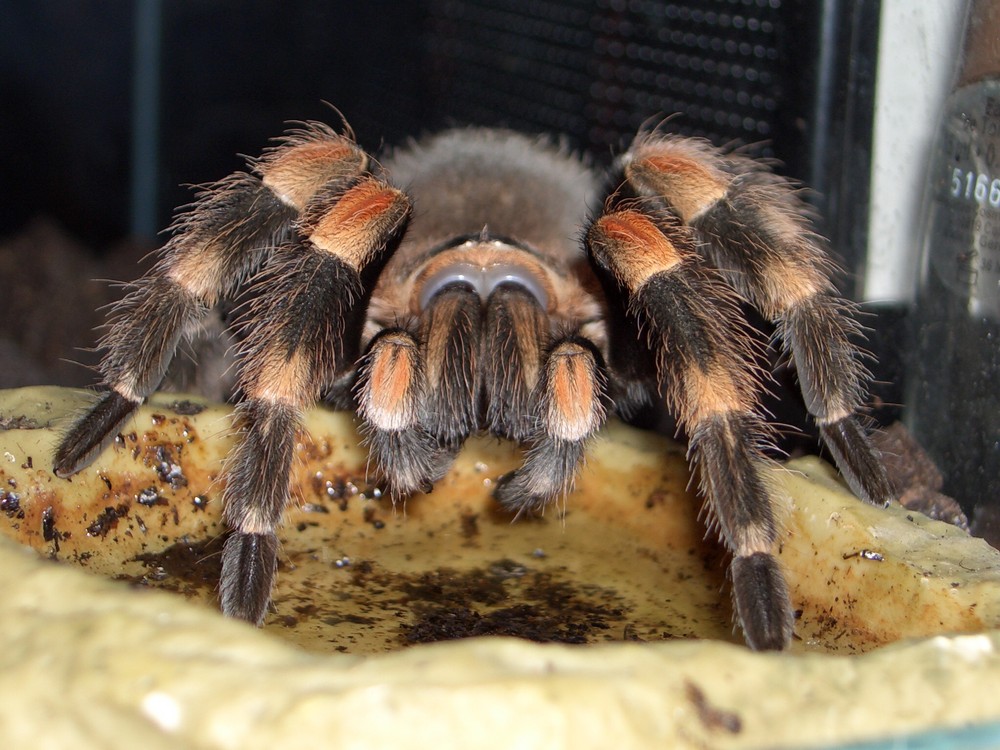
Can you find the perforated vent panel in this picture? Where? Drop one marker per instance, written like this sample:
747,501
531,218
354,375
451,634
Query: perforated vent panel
528,65
598,71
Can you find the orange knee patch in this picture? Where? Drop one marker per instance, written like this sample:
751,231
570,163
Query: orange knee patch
574,407
281,378
634,247
297,173
710,393
687,173
358,223
390,397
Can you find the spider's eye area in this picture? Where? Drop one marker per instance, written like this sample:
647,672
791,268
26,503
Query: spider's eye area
483,278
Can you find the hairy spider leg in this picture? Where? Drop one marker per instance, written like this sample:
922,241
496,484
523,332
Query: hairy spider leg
571,395
707,370
302,328
392,393
313,228
222,238
217,242
752,225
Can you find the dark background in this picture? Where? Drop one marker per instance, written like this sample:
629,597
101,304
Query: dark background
793,77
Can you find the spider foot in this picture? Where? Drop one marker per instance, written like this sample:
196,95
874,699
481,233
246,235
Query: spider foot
249,562
409,460
760,596
92,433
547,472
858,460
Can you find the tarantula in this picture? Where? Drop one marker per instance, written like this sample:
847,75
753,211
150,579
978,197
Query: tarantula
481,295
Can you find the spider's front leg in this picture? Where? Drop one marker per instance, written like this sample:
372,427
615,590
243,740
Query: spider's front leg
224,236
336,224
302,332
753,226
705,367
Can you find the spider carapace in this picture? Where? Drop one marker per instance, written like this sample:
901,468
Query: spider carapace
483,280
